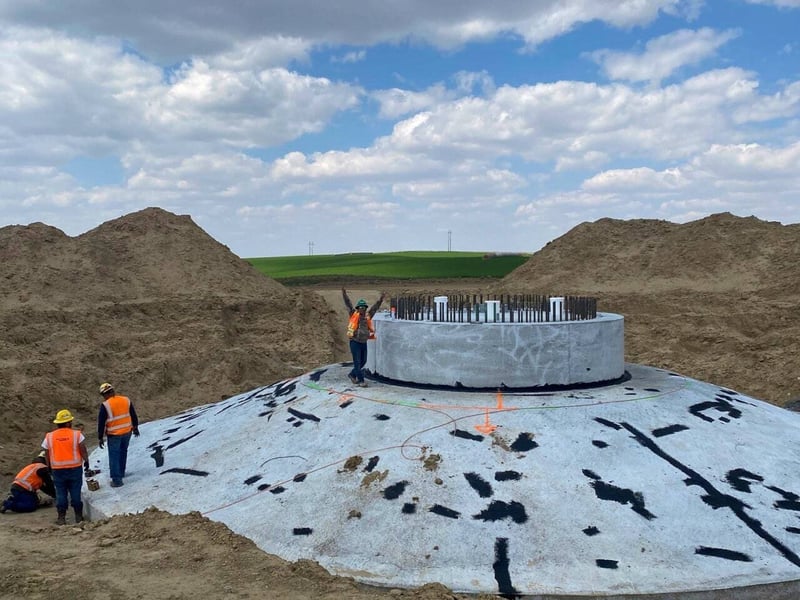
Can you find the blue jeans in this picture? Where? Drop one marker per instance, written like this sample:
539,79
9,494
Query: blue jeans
118,455
21,501
68,484
359,352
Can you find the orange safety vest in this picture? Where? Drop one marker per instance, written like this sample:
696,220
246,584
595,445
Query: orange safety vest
119,416
64,447
352,326
29,477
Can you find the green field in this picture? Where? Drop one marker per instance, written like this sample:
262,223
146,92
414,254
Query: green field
389,265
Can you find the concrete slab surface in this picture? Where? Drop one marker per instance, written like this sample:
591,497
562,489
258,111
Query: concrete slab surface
661,484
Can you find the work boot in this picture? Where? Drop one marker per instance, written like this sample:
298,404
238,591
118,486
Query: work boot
78,515
62,517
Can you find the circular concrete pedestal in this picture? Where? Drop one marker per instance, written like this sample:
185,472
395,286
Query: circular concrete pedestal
498,355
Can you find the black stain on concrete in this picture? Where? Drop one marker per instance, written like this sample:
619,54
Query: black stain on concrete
607,423
173,430
315,376
669,430
394,491
715,498
607,491
262,487
723,553
599,444
252,480
652,390
284,387
507,476
345,404
502,572
790,499
304,416
443,511
184,440
605,563
409,508
499,510
194,472
793,529
190,417
371,464
279,489
242,401
524,442
466,435
479,484
302,531
158,456
732,396
381,417
591,530
300,477
739,479
719,404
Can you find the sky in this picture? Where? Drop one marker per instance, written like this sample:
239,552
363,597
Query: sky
304,127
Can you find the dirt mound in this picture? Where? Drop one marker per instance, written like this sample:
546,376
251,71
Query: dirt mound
148,254
150,302
721,253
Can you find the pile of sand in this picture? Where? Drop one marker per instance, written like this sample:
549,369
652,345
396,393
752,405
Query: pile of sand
149,302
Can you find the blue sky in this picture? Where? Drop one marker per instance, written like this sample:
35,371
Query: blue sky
383,126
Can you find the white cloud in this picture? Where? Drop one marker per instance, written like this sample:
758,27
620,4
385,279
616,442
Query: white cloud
398,102
778,3
508,165
350,57
92,98
168,32
663,55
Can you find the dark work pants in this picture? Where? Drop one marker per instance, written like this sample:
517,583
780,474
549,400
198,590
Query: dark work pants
68,484
118,455
359,352
21,501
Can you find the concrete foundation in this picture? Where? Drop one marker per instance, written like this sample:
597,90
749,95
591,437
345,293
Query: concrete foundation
498,355
658,487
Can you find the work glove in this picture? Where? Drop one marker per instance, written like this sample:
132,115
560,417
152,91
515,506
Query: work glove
136,431
100,443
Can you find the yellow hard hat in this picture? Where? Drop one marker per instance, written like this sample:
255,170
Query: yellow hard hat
105,388
63,416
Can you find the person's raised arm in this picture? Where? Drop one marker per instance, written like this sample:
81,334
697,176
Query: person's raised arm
347,302
374,308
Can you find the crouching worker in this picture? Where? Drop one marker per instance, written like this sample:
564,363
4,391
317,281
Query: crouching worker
29,481
66,456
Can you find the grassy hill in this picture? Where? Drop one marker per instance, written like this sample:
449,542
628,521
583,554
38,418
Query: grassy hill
389,265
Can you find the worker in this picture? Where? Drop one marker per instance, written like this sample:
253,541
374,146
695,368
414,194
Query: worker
359,330
66,453
116,420
33,478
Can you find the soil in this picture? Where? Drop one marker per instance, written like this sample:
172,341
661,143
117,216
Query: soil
173,319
